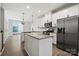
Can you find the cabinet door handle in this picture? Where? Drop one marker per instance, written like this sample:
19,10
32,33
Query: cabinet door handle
63,30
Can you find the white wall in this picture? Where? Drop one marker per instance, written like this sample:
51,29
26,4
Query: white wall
0,32
0,4
27,26
10,15
0,18
1,26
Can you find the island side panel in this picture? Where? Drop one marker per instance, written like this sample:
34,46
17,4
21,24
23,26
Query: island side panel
31,46
45,47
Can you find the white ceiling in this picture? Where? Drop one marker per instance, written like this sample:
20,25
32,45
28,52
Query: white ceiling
34,7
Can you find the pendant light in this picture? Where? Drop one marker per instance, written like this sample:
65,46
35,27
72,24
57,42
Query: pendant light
23,18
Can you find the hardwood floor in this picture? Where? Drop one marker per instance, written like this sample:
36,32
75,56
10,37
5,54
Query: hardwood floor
13,47
59,52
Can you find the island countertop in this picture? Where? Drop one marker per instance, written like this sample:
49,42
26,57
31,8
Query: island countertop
38,44
38,35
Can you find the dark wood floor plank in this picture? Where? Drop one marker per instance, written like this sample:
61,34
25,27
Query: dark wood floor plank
13,47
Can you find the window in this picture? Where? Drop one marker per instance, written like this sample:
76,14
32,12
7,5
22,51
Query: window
15,28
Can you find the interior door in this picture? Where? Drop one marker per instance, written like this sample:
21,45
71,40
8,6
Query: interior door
0,42
1,27
0,30
71,35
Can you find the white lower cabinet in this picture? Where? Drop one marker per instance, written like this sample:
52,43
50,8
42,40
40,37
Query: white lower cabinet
54,40
36,47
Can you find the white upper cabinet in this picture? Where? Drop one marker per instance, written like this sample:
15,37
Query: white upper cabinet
74,10
71,11
58,15
63,13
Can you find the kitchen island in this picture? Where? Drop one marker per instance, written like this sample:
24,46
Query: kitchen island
37,44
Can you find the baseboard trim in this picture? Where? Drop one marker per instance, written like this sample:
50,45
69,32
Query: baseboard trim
2,51
27,52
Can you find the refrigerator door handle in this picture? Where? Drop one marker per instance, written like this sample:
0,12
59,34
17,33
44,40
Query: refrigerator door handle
60,30
63,30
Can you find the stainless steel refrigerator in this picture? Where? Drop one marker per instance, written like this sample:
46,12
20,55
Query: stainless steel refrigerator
1,28
68,34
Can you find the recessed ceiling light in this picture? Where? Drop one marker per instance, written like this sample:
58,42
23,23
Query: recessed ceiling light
28,7
39,11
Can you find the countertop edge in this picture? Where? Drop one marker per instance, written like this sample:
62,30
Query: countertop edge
38,38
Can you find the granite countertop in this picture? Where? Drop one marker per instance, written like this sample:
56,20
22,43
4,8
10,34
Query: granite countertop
38,35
